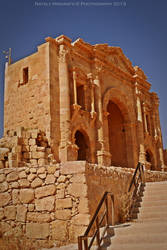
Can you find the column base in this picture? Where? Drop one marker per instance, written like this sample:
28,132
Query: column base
103,158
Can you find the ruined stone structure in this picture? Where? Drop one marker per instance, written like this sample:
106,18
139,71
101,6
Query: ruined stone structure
77,119
89,100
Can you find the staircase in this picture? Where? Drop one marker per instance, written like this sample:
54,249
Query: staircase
149,230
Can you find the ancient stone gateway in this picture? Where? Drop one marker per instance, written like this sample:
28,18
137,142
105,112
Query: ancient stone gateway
77,119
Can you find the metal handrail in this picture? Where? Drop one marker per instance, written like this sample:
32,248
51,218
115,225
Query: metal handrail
138,181
140,178
95,221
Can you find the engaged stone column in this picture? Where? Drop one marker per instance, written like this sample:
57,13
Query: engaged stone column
64,100
140,132
75,87
103,157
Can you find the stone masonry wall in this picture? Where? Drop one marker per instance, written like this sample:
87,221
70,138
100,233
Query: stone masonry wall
54,202
46,203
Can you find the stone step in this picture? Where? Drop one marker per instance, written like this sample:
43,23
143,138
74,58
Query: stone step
153,203
153,227
147,209
144,214
153,197
135,238
139,246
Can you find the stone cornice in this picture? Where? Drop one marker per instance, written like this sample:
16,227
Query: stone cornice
83,45
142,84
63,40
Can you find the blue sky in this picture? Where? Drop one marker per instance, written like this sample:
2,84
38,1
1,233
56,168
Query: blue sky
139,27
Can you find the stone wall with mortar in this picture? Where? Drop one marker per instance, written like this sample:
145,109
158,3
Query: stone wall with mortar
54,202
46,203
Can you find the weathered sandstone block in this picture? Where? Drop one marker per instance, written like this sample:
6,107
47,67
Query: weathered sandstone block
62,178
1,213
63,214
37,231
71,167
24,183
77,189
45,204
3,186
45,191
41,170
31,177
10,212
22,175
38,155
15,196
78,178
26,195
74,231
4,199
38,217
51,169
81,219
50,179
83,206
13,176
63,203
2,177
59,230
36,183
21,213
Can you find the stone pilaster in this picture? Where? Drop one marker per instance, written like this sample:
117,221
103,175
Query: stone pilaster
103,157
64,99
140,131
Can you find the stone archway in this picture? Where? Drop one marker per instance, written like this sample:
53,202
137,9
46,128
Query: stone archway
150,160
125,114
117,137
83,146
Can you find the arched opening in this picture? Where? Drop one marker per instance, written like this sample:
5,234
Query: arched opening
150,160
83,146
117,135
